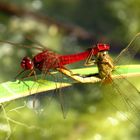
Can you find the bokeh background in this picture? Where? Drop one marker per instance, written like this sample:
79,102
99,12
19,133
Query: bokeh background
65,26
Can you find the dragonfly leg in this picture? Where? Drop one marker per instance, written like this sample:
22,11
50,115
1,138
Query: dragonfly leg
32,73
67,70
69,74
29,75
72,74
19,73
90,60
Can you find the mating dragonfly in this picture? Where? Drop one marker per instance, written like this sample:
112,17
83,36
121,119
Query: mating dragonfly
127,96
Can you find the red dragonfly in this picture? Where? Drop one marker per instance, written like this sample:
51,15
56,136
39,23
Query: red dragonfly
47,60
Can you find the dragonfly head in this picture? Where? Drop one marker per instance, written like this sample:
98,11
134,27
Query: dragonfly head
102,55
101,51
27,63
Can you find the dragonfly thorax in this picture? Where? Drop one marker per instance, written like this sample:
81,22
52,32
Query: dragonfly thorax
27,63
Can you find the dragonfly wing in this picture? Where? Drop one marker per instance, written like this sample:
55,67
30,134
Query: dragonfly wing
127,54
126,99
62,96
45,75
52,62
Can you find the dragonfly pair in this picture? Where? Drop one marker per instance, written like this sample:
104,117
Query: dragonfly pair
48,60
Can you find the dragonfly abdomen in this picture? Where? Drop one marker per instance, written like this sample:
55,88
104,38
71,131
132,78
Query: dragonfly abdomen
72,58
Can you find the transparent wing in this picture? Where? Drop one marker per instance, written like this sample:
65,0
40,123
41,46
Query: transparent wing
125,98
61,95
128,53
34,101
50,62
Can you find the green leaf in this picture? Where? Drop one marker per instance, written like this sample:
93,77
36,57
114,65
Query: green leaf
17,89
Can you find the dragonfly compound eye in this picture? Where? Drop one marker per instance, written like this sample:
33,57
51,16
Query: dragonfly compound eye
27,63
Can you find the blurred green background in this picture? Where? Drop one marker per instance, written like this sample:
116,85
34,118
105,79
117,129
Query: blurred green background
65,26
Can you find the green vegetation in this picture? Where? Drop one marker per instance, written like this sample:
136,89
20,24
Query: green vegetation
67,27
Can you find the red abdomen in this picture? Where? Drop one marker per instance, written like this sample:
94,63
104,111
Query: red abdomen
72,58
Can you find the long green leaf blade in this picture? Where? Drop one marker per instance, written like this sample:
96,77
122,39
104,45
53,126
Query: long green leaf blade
14,89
